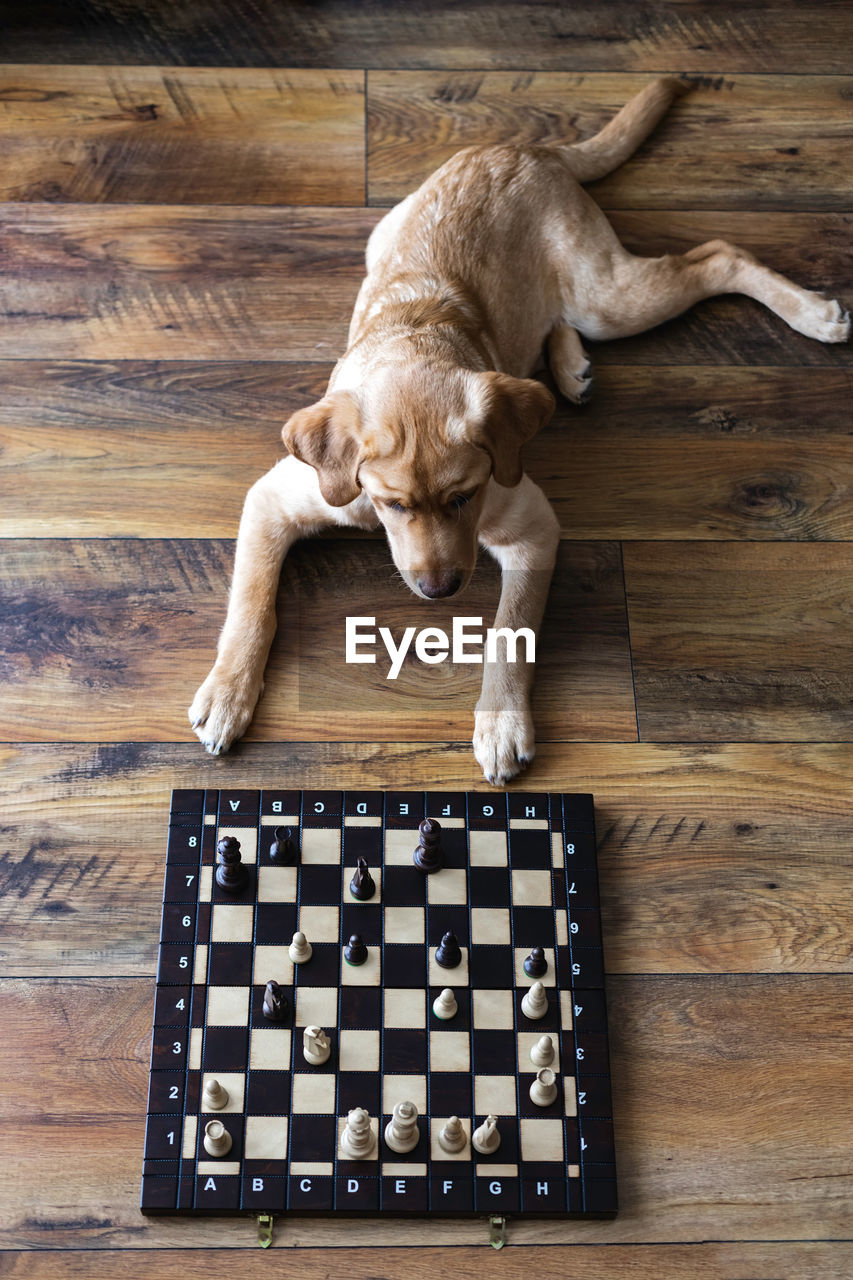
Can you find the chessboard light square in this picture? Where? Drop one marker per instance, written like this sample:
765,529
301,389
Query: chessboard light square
234,1083
232,923
316,1007
319,924
558,858
525,1042
404,1007
280,820
269,1049
405,924
541,1140
362,820
200,966
205,884
490,925
495,1095
561,922
493,1010
349,872
368,974
485,1169
487,849
531,888
567,1010
320,845
528,824
374,1129
448,886
403,1089
190,1137
247,837
449,1051
570,1092
266,1138
436,1149
402,1169
441,977
400,846
272,962
358,1050
549,977
194,1051
276,884
228,1006
313,1094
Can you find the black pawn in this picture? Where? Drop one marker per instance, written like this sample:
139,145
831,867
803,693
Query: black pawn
355,952
282,849
448,953
231,875
536,965
428,856
362,886
275,1002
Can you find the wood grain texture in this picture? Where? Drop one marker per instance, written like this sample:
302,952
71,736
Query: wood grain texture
168,282
751,1149
741,641
713,858
119,634
611,35
169,449
739,142
166,135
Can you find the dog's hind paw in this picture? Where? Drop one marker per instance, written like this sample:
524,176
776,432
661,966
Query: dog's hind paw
221,711
504,743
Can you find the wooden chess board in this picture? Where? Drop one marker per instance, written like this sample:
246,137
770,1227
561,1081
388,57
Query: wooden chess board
519,871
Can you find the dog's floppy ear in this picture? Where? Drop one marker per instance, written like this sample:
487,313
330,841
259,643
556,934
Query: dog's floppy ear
325,435
512,410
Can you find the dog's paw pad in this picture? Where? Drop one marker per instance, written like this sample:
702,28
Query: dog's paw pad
503,743
221,712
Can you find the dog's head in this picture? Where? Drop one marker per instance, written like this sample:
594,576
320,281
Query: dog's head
422,444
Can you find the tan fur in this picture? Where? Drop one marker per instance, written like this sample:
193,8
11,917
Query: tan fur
500,252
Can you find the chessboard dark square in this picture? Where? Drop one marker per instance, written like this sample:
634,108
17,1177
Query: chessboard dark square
445,804
268,1093
590,1009
495,1052
357,1192
598,1136
549,1022
309,1194
442,918
275,922
313,1137
403,886
529,804
533,926
497,1195
528,1108
361,1007
172,1006
488,886
179,922
247,892
404,809
359,1089
184,845
404,1194
507,1152
324,967
280,804
238,806
214,1191
181,884
187,800
225,1049
451,1192
596,1095
462,1018
159,1191
364,804
320,884
198,1016
361,917
586,929
587,965
529,850
577,810
599,1195
405,964
543,1194
362,842
169,1048
162,1138
264,1194
450,1093
233,1123
321,808
404,1049
487,810
230,964
417,1154
454,847
491,967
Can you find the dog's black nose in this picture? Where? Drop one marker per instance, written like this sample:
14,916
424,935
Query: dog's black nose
438,585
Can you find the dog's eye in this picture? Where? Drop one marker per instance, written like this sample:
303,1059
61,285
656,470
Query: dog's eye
460,499
397,506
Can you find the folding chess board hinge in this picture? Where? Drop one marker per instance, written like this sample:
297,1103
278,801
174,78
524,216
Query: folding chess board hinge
265,1226
497,1231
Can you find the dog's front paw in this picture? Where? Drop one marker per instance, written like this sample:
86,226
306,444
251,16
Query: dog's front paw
827,321
503,742
221,711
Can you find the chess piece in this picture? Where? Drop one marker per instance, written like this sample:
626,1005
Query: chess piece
401,1132
453,1137
217,1139
444,1006
534,1003
536,966
542,1053
357,1141
214,1096
428,856
362,886
231,874
283,847
486,1138
315,1046
300,949
275,1002
355,952
543,1090
448,953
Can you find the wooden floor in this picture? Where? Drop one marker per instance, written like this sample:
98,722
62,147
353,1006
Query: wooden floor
187,190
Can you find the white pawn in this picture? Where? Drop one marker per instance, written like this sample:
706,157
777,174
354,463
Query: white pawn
542,1053
486,1138
453,1137
534,1003
214,1096
543,1091
401,1132
217,1139
357,1135
444,1005
315,1046
300,949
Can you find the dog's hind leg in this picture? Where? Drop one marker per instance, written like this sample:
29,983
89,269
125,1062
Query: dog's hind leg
569,363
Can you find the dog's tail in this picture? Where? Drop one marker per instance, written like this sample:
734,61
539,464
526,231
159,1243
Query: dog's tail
611,147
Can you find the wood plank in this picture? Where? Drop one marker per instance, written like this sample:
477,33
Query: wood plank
743,142
741,641
758,35
713,859
113,449
167,135
120,633
158,282
751,1151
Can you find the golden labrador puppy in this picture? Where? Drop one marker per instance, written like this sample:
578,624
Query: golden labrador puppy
499,252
